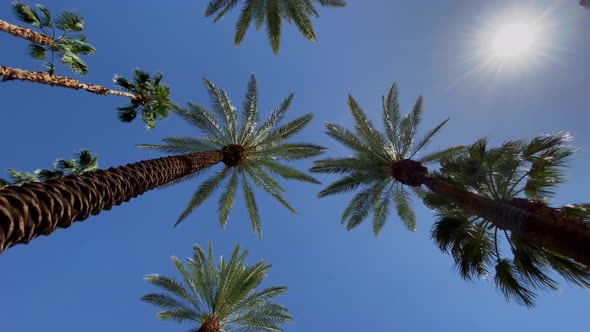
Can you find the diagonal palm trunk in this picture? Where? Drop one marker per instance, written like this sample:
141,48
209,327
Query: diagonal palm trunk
566,236
35,209
25,33
10,74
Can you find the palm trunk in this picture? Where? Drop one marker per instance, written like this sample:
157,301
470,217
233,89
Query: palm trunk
35,209
210,326
10,74
25,33
566,236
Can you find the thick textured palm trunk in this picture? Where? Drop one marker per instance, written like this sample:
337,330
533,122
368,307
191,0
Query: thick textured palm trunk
25,33
10,74
35,209
566,236
210,326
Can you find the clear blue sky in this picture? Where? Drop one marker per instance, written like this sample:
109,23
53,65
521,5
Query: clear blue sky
90,276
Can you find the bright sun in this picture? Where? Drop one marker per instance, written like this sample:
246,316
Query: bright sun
513,40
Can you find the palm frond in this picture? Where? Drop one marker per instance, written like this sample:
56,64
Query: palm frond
287,172
250,111
404,208
289,129
363,126
224,109
275,117
296,11
508,284
422,144
392,116
381,211
248,11
360,205
226,200
273,24
204,191
345,184
251,206
437,155
291,151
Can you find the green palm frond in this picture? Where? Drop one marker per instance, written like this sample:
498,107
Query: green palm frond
250,111
264,149
151,100
204,192
86,162
252,207
273,23
70,44
508,284
226,200
224,293
271,12
507,172
295,11
248,12
369,169
404,208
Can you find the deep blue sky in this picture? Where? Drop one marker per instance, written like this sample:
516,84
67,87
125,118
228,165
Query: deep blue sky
89,277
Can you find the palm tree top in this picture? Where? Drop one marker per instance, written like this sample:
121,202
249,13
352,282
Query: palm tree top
219,298
272,12
253,150
69,45
85,162
520,173
373,162
152,98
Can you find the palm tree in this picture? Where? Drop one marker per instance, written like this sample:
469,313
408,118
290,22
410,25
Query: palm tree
507,173
85,162
147,95
222,298
376,160
380,160
248,150
68,46
272,12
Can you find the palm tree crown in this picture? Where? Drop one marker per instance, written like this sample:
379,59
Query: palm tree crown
219,298
69,46
150,98
507,173
372,163
272,12
85,162
253,150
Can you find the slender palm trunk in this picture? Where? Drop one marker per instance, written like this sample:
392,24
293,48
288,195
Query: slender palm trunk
25,33
35,209
10,74
566,236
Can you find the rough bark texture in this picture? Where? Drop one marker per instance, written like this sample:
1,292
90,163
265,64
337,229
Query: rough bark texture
25,33
35,209
556,231
537,223
534,222
210,326
10,74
